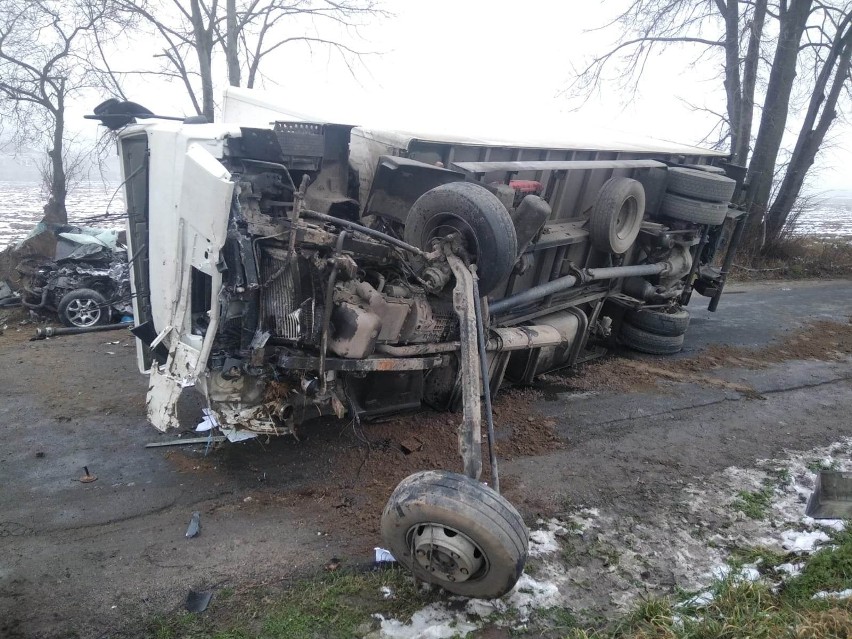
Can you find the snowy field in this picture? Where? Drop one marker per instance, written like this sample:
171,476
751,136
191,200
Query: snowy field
22,203
21,206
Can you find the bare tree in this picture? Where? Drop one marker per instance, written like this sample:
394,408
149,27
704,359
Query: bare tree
38,76
731,32
244,32
805,49
833,76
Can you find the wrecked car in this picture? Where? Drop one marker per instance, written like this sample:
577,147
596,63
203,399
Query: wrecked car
310,268
86,284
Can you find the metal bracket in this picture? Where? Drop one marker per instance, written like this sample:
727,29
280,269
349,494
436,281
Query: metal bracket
470,431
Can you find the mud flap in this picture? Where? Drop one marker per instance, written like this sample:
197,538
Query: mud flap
204,206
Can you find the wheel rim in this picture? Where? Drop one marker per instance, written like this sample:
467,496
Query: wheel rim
446,554
625,218
83,312
442,226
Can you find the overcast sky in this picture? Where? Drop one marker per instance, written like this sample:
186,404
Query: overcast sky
487,67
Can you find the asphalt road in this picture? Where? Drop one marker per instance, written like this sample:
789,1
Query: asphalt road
91,559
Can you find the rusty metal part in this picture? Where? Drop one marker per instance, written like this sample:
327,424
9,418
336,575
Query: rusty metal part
502,339
326,315
729,260
87,477
470,431
693,269
41,304
417,349
298,203
486,385
360,228
558,285
370,364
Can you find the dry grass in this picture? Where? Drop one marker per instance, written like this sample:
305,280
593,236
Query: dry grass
796,258
751,609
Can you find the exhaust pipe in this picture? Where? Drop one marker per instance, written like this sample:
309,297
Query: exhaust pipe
49,331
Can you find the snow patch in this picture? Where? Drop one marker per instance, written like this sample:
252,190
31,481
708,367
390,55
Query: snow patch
791,570
432,622
528,594
544,541
796,541
843,594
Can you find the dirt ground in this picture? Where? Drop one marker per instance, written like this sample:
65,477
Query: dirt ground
100,559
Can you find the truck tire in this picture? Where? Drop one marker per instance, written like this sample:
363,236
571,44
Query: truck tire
701,185
709,168
476,213
617,215
451,530
83,308
671,323
647,342
696,211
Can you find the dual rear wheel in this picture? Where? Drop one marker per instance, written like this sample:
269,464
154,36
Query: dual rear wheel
656,332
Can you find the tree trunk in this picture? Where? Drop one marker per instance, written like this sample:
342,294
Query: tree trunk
776,108
204,51
810,139
750,65
232,52
55,210
733,87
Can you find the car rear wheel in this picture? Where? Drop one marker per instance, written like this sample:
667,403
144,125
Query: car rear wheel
455,532
83,308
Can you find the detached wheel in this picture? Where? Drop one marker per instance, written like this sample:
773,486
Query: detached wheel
484,224
696,211
651,343
83,308
452,531
671,322
617,215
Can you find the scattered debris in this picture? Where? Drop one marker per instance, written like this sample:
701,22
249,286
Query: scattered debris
194,526
50,331
209,422
332,565
198,601
383,556
411,445
832,496
189,440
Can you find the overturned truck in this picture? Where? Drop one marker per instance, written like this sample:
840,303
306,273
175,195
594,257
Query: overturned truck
310,269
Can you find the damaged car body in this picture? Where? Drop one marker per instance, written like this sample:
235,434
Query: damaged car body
87,284
312,269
